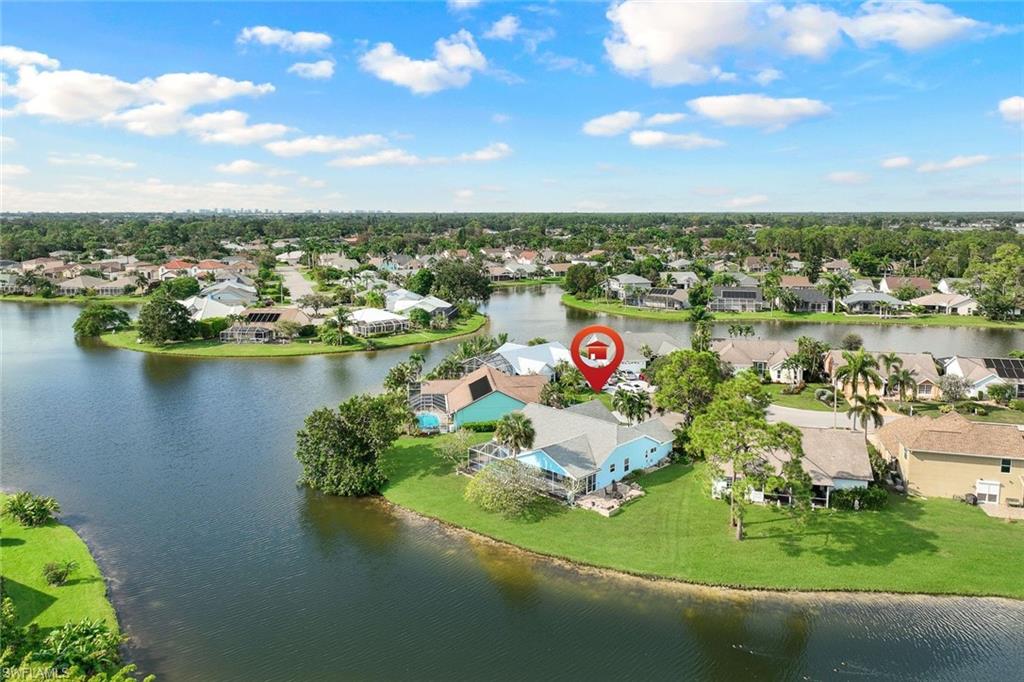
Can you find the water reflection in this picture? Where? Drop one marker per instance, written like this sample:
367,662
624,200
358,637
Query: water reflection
511,572
335,521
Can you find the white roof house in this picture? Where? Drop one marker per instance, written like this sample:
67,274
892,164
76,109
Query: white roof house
539,359
949,304
981,373
231,293
431,304
368,321
203,308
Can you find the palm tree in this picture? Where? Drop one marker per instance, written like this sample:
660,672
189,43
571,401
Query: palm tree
859,366
771,285
902,381
633,405
515,432
835,286
866,408
416,361
890,362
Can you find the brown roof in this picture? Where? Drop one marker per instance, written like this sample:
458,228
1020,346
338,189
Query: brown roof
526,388
256,317
795,282
828,454
919,283
953,434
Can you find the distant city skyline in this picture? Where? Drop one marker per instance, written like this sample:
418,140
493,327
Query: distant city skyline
475,106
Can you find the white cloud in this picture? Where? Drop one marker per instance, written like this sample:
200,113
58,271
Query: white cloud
324,144
96,160
747,201
500,118
319,70
897,162
1012,109
955,163
659,138
847,178
673,43
462,5
807,30
240,167
909,24
304,181
558,62
288,41
463,194
15,57
231,127
758,111
767,76
610,125
506,28
664,119
455,59
9,169
7,142
399,157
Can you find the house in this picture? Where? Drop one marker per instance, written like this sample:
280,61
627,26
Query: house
373,321
659,344
76,286
175,268
810,300
35,264
981,373
834,459
338,261
892,284
516,358
62,254
795,282
950,285
207,267
483,395
202,308
583,448
837,266
671,298
921,365
260,325
684,279
861,285
290,257
757,264
433,305
558,269
629,287
737,299
766,357
871,302
952,455
946,304
117,287
231,293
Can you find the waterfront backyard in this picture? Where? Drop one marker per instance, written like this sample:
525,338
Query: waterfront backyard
677,531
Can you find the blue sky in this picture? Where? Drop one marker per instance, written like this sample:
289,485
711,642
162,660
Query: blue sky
621,106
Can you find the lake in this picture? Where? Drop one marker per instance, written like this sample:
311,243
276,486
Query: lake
181,476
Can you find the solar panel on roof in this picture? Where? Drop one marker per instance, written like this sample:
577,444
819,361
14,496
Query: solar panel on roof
1007,368
479,388
264,317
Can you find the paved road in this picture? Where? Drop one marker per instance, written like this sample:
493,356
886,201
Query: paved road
298,285
813,418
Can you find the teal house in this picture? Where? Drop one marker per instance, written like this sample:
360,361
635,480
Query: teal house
484,395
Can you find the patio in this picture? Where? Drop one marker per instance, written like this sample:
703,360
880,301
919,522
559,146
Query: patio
608,500
1002,511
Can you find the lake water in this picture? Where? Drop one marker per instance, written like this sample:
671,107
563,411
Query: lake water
180,473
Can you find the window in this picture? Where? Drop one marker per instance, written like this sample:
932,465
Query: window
611,468
625,465
1004,466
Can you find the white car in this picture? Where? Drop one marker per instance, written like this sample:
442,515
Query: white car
638,386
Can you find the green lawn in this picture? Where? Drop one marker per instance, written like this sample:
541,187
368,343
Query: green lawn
804,400
996,415
25,551
119,300
614,308
527,282
215,349
677,531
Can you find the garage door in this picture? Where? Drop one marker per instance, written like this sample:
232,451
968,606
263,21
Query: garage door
987,492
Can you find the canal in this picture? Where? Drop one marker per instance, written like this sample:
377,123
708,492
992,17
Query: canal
180,474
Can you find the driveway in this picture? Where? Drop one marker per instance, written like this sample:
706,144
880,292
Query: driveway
815,418
298,285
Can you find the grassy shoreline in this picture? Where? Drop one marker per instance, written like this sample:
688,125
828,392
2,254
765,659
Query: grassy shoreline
532,282
25,552
677,532
82,300
610,308
215,349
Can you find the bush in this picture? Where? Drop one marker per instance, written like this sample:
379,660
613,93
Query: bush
870,498
480,427
307,331
57,572
1017,404
503,487
89,644
31,510
824,395
211,329
793,389
947,408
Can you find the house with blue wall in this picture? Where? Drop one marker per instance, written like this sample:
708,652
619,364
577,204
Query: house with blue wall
587,443
484,395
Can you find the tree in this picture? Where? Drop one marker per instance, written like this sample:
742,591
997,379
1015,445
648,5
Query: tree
89,645
700,295
580,280
859,366
536,341
340,450
181,287
30,510
812,356
890,361
332,335
686,382
835,286
505,487
954,388
700,340
97,317
864,409
163,319
515,432
400,376
852,341
454,448
421,281
457,281
553,394
734,433
997,283
419,317
741,330
635,406
902,381
315,301
288,329
771,286
374,299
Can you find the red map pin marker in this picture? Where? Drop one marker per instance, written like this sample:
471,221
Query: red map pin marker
597,374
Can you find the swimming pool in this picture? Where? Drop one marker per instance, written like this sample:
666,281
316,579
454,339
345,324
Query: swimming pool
428,421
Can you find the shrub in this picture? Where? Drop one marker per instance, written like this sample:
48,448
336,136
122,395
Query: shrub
503,487
1000,393
793,389
1017,404
31,510
89,644
57,572
870,498
480,427
947,408
980,411
211,329
307,331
